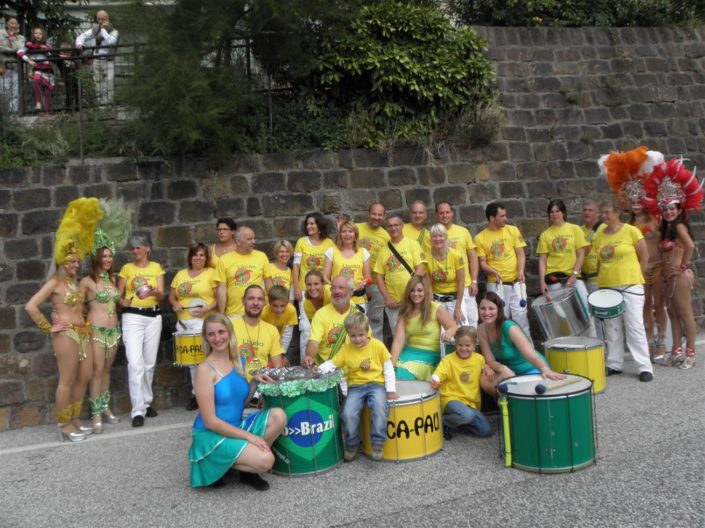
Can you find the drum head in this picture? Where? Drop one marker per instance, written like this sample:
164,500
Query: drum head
605,298
413,391
572,343
525,386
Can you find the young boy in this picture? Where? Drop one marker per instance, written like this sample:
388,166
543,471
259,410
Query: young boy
370,379
281,314
458,377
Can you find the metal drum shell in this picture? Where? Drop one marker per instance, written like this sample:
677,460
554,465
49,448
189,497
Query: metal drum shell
564,315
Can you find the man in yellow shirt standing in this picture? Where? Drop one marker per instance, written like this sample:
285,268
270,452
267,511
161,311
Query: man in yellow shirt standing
500,250
416,230
373,237
236,270
460,239
392,274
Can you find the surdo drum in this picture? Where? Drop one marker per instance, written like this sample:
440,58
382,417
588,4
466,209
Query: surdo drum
188,349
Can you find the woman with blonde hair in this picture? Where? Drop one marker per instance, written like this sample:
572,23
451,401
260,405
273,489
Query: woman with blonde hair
350,259
447,268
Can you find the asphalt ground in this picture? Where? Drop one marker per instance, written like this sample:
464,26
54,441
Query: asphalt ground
649,471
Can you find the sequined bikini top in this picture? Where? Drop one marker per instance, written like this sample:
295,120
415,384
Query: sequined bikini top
105,296
73,298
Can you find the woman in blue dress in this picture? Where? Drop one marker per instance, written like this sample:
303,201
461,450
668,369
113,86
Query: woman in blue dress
508,352
222,439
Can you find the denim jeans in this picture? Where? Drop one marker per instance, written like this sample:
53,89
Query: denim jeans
457,415
375,397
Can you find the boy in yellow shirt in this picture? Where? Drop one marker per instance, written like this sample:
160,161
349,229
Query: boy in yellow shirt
458,377
281,314
368,369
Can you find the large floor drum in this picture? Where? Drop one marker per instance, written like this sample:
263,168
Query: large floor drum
584,356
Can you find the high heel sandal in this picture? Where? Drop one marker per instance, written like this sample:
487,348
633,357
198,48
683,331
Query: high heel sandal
72,436
95,415
689,361
110,417
105,408
76,421
676,358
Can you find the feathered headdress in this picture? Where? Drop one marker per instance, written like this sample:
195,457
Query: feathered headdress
670,183
625,172
74,237
114,229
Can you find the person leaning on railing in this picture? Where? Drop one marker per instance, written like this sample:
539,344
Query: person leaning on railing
106,39
11,41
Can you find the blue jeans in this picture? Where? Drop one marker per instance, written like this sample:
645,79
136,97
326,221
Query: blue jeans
374,395
457,415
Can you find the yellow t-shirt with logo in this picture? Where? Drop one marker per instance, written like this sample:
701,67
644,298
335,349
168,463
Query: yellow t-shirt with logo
326,325
590,262
288,318
363,365
443,273
425,337
460,379
395,274
256,344
460,239
238,272
193,291
135,277
372,240
422,236
279,277
499,248
310,257
308,305
617,257
349,267
561,243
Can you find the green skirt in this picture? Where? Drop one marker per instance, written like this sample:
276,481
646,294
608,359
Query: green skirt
212,454
416,364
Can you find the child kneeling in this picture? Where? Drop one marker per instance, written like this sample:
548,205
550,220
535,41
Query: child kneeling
458,377
368,369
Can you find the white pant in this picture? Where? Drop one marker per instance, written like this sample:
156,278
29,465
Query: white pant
304,330
633,320
469,308
511,294
140,334
375,311
392,317
581,290
10,90
192,325
599,326
104,79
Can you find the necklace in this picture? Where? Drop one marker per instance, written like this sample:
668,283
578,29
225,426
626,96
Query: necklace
254,360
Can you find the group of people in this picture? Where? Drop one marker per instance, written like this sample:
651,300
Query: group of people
44,62
424,281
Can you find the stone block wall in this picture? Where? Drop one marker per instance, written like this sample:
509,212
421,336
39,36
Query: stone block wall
570,95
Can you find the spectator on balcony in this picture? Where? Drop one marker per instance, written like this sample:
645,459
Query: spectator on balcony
37,54
106,39
11,41
68,69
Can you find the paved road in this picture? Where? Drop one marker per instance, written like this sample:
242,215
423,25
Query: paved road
650,471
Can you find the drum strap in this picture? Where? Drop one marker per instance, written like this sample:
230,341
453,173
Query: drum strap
400,258
626,290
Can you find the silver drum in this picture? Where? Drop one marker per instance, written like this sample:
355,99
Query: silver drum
564,315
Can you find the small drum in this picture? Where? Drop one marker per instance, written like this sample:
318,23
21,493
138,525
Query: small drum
413,426
606,304
188,349
564,315
584,356
553,432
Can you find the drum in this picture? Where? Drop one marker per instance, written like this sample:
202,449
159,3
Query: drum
606,304
584,356
188,349
564,315
312,441
413,426
553,432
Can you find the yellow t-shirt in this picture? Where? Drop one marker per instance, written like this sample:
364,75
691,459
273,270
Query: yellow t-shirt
349,267
279,277
617,257
310,257
460,379
238,272
460,239
395,274
193,291
499,248
288,318
422,236
256,344
326,325
426,337
561,244
443,273
590,262
136,277
362,365
372,240
308,305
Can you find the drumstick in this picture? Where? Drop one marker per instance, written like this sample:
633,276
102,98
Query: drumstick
522,296
541,388
195,306
180,323
503,391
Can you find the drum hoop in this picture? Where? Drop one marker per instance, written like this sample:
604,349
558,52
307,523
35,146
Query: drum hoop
529,397
413,399
559,346
186,334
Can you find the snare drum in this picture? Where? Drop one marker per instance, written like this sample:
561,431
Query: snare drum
584,356
564,315
553,432
188,349
413,426
606,304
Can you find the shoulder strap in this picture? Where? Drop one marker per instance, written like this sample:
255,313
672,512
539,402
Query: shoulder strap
214,369
400,258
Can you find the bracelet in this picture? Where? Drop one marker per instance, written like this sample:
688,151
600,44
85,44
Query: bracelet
44,325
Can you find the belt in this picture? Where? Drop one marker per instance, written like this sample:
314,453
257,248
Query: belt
359,293
152,311
444,298
588,275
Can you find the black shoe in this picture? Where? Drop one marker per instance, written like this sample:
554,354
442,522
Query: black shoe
645,376
610,371
447,435
254,480
192,405
151,413
138,421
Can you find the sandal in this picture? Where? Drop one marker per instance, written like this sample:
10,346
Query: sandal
676,358
689,361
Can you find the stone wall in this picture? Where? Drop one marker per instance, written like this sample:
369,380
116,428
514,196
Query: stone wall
569,95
